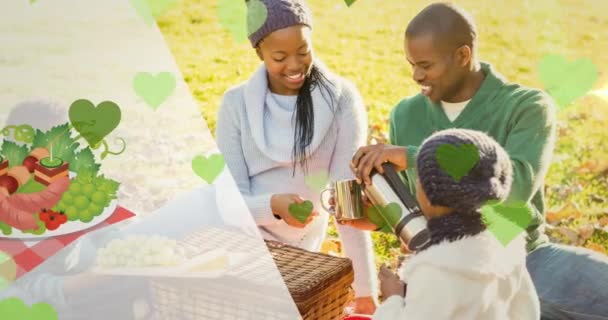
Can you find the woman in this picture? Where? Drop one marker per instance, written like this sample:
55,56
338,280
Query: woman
292,119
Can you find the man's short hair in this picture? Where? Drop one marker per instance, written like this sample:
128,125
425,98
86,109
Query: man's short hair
448,24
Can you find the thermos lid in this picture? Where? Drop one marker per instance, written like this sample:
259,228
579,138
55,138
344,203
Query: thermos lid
419,240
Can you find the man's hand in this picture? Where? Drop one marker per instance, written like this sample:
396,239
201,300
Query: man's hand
365,305
390,284
369,157
364,223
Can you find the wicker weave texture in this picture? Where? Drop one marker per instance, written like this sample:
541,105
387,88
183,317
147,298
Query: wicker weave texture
318,283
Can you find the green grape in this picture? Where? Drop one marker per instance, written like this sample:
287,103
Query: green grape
95,209
72,213
67,198
99,198
75,187
88,188
86,215
81,202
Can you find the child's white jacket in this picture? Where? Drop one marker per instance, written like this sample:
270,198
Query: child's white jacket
472,278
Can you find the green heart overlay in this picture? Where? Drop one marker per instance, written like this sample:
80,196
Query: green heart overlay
302,211
349,2
14,308
506,221
566,81
241,19
381,216
317,181
151,9
457,161
208,168
154,89
374,216
94,124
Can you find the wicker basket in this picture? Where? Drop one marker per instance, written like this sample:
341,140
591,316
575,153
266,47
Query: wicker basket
319,284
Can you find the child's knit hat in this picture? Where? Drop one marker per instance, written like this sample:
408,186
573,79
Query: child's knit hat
280,14
489,179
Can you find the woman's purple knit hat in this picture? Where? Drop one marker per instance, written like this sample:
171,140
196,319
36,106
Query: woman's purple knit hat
280,14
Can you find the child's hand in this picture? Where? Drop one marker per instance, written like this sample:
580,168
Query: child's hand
390,284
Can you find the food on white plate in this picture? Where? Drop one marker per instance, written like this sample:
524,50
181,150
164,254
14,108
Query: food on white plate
49,169
52,176
141,251
219,263
17,210
16,177
35,155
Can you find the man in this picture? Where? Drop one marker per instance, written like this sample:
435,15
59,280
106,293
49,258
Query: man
459,91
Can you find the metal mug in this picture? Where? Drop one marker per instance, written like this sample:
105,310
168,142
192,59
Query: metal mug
348,200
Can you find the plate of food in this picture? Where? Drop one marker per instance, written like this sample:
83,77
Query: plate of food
158,256
51,186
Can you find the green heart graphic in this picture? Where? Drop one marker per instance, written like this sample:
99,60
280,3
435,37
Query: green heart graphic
14,308
301,211
154,89
391,213
241,19
506,221
94,124
349,2
151,9
208,168
374,216
457,161
566,81
317,181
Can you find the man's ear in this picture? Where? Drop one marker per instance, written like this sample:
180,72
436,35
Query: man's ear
464,55
259,53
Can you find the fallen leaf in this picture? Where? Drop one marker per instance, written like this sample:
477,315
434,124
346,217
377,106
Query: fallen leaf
570,234
593,166
585,232
332,247
567,211
603,221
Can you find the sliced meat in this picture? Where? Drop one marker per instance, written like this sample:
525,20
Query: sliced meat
15,217
45,199
18,210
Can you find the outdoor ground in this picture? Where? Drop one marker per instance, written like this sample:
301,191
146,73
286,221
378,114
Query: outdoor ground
364,43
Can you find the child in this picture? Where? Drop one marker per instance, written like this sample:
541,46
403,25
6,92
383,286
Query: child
464,272
294,119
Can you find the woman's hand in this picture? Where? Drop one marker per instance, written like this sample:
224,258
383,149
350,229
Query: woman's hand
369,157
279,204
390,284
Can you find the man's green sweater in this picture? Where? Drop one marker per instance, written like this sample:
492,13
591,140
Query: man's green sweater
520,119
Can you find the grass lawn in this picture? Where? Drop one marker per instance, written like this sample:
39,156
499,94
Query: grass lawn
364,43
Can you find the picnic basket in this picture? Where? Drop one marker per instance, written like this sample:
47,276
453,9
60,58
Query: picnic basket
319,284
